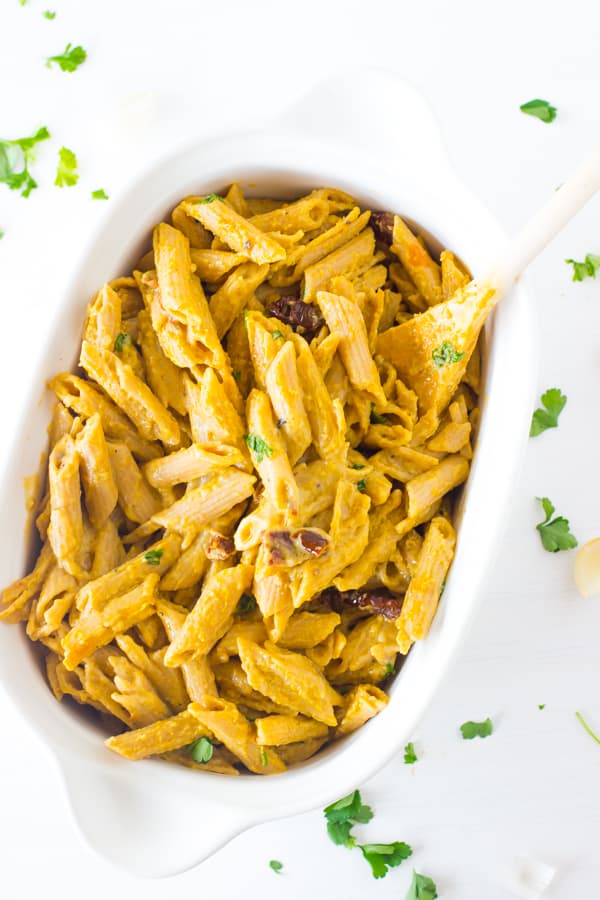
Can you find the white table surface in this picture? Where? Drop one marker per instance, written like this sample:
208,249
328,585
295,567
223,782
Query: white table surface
159,72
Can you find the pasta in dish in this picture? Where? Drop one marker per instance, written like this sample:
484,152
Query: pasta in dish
247,515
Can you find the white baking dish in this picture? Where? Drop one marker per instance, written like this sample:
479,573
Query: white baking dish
371,135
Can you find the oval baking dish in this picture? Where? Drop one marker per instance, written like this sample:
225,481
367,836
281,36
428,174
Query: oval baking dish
145,817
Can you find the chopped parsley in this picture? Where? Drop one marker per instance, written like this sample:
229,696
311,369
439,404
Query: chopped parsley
554,533
553,401
472,730
357,466
121,340
264,758
15,158
236,374
421,888
70,60
376,418
445,355
382,857
1,234
585,269
410,756
276,866
152,557
258,446
541,109
277,334
49,15
389,668
100,194
541,705
209,198
201,750
343,815
587,728
66,172
246,604
361,485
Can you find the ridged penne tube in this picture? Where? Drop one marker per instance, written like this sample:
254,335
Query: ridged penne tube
191,463
99,486
273,596
54,602
383,540
230,299
289,679
346,260
269,456
108,550
213,417
131,394
418,263
425,489
263,346
233,685
306,629
212,265
196,234
453,277
168,682
137,499
95,629
423,594
15,600
227,646
274,731
345,320
231,728
307,213
451,438
324,423
285,393
164,377
86,400
372,639
136,693
235,231
103,320
197,673
188,568
60,423
403,463
341,233
291,754
160,737
236,199
211,615
362,703
65,531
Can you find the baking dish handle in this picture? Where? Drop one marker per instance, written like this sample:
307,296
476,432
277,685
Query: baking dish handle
152,834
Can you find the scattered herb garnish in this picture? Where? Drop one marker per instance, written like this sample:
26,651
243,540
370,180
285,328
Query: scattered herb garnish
1,235
152,557
357,466
555,534
585,269
277,334
554,402
201,750
445,354
421,888
587,728
121,340
276,865
209,198
382,857
70,60
15,158
376,418
236,374
258,446
389,668
410,756
247,603
66,172
100,194
541,705
49,15
264,758
361,485
541,109
472,730
343,815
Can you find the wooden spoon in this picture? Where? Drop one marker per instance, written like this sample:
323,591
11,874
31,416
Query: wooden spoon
431,350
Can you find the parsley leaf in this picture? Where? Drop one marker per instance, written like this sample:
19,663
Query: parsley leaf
445,354
258,446
209,198
472,730
357,466
389,668
554,401
541,705
1,234
277,334
276,866
585,269
264,758
421,888
376,418
66,172
587,727
247,604
15,157
541,109
121,340
382,857
361,485
343,815
99,194
201,750
555,534
70,60
152,557
410,756
236,374
49,15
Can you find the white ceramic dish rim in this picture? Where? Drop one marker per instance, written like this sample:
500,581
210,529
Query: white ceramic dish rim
318,142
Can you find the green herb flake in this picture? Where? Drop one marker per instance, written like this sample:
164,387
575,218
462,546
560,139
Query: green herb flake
343,815
15,159
236,374
382,857
100,194
121,340
201,750
246,605
70,60
264,758
357,466
210,198
553,401
541,109
1,234
276,866
421,888
585,269
66,172
389,669
554,533
361,485
410,756
541,706
376,418
152,557
49,15
22,2
277,334
445,355
472,730
258,446
587,728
